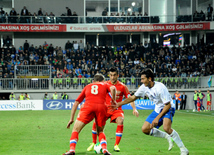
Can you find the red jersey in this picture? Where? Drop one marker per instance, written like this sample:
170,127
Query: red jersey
94,93
121,90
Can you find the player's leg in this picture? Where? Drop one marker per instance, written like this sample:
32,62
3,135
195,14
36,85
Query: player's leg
179,105
100,120
117,117
94,137
119,133
195,105
78,126
85,116
167,122
154,131
102,140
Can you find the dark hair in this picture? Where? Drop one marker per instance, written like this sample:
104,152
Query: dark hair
113,69
98,77
148,72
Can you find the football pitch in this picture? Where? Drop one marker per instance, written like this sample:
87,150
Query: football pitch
45,133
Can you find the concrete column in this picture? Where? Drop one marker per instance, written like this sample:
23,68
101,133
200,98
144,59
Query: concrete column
130,38
118,6
193,37
1,41
97,40
109,7
142,38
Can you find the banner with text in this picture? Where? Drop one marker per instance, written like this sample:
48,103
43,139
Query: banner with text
21,105
141,105
86,28
59,104
105,27
158,27
68,104
32,28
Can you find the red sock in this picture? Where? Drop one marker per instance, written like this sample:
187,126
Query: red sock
103,143
198,108
119,133
94,133
74,140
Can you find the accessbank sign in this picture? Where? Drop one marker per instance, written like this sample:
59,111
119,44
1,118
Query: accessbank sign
21,105
60,105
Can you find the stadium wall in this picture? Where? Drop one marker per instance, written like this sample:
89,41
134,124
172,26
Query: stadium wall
56,38
47,6
73,95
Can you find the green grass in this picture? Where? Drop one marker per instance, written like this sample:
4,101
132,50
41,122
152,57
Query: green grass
45,133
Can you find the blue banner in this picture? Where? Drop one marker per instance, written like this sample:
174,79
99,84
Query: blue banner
141,105
59,104
68,104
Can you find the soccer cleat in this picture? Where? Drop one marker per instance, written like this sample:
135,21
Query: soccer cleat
116,148
184,151
169,139
91,147
69,153
107,153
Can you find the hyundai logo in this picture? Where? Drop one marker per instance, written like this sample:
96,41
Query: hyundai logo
54,105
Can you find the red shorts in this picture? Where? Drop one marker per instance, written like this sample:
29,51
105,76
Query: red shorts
89,112
198,104
114,114
208,103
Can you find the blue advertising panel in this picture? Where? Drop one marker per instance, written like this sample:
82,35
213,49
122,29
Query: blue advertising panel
59,104
68,104
141,105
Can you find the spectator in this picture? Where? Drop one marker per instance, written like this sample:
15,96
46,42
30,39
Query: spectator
209,12
69,13
46,97
24,11
68,45
104,13
40,12
26,45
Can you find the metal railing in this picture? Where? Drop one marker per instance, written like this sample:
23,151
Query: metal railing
78,84
33,70
104,19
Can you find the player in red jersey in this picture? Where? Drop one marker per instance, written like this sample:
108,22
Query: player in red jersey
117,115
94,107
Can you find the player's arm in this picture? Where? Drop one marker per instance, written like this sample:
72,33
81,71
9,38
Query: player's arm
163,112
113,93
75,105
127,94
135,112
73,111
127,100
203,95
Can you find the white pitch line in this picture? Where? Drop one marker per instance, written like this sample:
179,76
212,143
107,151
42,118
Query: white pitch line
194,114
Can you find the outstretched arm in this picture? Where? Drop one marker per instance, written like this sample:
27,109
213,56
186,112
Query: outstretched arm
127,100
73,111
135,112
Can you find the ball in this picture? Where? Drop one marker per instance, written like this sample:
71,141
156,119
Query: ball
193,110
98,148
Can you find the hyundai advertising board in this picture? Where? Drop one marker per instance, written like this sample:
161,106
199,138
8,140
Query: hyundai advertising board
58,104
68,104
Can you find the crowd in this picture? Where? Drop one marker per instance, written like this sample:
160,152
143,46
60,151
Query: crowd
77,60
41,16
197,16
